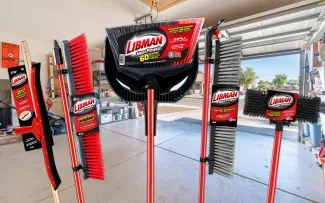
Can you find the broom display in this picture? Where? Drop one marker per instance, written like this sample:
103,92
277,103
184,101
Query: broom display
83,128
281,108
32,114
151,63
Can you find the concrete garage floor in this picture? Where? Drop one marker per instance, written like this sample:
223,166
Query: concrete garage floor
23,178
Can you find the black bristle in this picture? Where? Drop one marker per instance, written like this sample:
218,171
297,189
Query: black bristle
308,109
255,103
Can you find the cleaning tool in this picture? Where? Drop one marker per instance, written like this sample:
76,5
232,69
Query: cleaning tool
82,110
281,108
224,105
32,114
152,63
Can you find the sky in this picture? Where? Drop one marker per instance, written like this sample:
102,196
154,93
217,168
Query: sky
267,68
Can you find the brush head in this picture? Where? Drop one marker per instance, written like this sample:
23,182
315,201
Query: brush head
307,108
84,106
160,56
224,106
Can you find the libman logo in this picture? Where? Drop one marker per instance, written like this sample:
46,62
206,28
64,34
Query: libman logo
84,106
280,101
145,43
225,97
18,80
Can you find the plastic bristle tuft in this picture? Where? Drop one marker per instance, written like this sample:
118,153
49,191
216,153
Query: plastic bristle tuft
80,65
255,103
308,109
94,157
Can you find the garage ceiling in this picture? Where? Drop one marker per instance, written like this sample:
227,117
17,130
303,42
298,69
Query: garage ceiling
278,32
64,19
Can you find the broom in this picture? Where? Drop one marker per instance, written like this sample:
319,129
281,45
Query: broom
32,113
83,110
143,66
281,108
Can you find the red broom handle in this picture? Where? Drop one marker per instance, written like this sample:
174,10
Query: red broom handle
204,137
274,166
150,146
72,147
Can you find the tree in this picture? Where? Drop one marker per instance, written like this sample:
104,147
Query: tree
247,77
293,82
280,80
264,85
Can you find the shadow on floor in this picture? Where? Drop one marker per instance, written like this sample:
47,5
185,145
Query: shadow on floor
265,130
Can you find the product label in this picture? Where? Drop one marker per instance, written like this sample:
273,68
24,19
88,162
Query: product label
281,105
224,106
24,104
156,45
85,114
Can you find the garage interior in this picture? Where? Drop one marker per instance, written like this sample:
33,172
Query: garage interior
269,29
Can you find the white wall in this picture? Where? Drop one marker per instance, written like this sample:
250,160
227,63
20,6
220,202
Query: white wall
38,51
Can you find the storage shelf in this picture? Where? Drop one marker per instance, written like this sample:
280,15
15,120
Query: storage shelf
111,107
101,83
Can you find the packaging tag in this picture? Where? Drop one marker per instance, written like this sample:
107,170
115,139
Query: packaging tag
85,115
167,43
281,105
224,105
24,104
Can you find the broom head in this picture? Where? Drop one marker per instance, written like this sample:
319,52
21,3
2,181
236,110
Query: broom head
160,56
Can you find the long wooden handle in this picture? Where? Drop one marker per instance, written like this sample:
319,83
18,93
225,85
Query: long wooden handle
28,65
55,195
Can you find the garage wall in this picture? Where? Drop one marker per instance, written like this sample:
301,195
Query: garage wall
38,51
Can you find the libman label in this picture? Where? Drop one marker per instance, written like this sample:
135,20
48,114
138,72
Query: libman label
224,105
281,105
24,104
85,115
161,44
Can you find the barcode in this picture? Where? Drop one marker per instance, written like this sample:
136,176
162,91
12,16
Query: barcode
122,59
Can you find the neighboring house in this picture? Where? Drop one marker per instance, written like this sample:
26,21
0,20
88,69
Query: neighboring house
198,84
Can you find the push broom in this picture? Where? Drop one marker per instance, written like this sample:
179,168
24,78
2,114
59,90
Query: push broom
224,106
152,63
32,114
84,124
281,108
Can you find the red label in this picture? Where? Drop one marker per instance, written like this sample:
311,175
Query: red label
224,106
281,105
85,114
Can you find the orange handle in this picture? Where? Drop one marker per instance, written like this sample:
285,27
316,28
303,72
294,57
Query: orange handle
323,167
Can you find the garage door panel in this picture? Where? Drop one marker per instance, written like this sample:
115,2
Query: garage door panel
255,50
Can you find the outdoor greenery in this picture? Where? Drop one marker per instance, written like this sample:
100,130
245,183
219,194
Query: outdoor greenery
248,79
